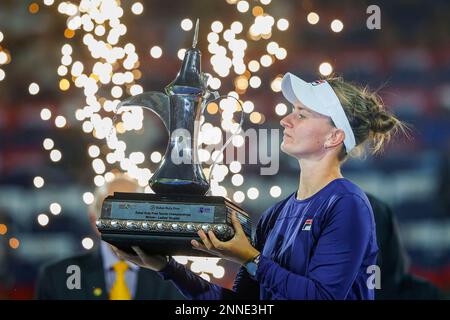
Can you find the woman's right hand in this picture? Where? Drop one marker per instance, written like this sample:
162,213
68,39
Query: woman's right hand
152,262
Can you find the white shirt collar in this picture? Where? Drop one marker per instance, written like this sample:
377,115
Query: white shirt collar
110,259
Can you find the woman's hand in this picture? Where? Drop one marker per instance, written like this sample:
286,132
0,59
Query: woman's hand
152,262
238,249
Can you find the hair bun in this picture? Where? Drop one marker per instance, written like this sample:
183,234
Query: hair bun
365,110
382,122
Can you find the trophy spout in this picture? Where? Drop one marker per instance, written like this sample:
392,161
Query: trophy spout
157,102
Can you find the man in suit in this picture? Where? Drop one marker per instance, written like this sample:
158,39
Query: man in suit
102,274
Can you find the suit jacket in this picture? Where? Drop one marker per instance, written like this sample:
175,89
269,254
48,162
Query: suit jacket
396,282
52,281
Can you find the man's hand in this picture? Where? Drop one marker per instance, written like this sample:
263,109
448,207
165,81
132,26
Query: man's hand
152,262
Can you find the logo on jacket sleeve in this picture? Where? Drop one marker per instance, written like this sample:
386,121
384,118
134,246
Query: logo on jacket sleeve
307,225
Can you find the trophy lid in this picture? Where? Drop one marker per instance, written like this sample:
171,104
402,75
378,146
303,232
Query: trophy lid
189,78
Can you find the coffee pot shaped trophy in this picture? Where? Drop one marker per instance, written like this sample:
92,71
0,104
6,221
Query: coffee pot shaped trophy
166,221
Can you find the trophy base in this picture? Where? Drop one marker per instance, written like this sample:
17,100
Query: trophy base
155,244
166,224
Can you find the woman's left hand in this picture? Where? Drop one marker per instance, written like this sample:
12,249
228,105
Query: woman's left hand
238,249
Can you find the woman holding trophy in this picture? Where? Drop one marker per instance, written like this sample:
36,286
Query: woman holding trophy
319,242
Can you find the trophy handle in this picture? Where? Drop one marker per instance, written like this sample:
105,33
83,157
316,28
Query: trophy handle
216,97
154,101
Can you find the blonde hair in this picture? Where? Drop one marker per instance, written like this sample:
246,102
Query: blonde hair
371,123
102,192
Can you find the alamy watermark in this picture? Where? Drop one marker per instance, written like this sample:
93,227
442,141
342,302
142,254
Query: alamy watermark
260,146
373,22
374,280
74,279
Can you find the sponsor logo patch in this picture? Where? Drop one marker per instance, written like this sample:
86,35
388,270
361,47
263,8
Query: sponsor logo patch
307,225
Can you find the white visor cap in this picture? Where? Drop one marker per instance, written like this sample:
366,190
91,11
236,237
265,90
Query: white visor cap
321,98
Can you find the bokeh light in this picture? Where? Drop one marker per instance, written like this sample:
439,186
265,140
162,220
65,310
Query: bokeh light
238,197
253,193
14,243
55,208
55,155
33,88
275,191
93,151
38,182
156,52
46,114
337,25
88,198
137,8
60,121
281,109
282,24
3,229
87,243
313,18
48,144
325,68
186,24
156,157
243,6
43,219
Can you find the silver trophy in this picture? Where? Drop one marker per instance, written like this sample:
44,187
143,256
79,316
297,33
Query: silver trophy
165,222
